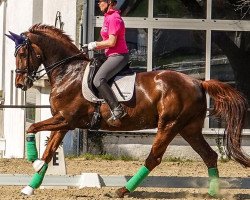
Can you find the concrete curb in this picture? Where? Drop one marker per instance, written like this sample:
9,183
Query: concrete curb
96,180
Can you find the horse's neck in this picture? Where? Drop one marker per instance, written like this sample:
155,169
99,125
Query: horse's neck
71,70
54,51
54,59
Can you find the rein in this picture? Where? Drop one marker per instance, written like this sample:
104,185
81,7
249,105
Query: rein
33,75
53,66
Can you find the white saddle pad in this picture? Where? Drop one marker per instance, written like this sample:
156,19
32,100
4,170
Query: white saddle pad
126,85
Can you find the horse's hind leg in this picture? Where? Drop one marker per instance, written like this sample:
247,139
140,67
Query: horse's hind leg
192,133
163,137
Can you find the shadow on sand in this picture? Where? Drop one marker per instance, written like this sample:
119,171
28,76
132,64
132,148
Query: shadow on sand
183,195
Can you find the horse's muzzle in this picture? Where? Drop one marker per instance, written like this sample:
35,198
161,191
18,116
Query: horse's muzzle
21,86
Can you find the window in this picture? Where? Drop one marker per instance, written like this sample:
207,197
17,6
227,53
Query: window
179,50
129,8
137,44
229,63
230,10
204,39
177,9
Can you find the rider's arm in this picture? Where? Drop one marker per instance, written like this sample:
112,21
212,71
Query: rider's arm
106,43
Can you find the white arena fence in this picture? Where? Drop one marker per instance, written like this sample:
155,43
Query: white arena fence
96,180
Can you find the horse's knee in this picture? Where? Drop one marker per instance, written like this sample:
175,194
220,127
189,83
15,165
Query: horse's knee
31,129
151,162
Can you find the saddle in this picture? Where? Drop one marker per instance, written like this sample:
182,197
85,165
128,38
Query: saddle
122,84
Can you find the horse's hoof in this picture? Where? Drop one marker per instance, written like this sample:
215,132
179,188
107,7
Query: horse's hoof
121,192
38,164
27,191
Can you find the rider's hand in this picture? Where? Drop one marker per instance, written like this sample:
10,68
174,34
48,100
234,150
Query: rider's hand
91,45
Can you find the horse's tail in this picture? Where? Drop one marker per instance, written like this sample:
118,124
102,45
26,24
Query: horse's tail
231,106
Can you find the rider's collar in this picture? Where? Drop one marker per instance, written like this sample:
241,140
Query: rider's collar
111,11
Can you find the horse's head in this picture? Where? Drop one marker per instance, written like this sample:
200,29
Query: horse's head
28,59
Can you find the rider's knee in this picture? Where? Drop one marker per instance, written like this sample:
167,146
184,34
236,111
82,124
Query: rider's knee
99,81
96,82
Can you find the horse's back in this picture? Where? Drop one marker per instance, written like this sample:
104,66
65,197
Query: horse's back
172,91
170,80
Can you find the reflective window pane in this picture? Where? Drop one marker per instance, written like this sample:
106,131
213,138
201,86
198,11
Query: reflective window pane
180,9
129,8
179,50
230,64
137,40
230,10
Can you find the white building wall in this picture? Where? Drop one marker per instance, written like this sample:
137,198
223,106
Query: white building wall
67,8
20,15
17,20
2,26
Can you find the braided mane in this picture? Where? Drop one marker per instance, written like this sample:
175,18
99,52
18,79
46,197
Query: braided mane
50,30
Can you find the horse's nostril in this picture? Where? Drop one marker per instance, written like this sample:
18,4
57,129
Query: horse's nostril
19,85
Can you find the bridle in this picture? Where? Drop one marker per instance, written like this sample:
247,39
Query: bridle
26,70
33,74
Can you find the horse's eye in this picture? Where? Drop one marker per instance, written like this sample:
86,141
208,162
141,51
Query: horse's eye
22,55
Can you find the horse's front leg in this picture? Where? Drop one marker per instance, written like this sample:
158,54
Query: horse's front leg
41,166
56,138
54,123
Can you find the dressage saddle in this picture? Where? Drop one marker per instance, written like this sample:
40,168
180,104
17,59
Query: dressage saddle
94,67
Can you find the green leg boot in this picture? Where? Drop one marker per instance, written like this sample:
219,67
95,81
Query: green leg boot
35,182
31,149
214,186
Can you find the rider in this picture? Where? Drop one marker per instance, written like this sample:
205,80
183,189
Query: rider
114,43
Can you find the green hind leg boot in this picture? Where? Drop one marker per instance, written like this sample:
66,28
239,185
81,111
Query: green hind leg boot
214,186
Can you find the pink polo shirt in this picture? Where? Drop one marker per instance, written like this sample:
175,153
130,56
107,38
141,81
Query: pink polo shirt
114,25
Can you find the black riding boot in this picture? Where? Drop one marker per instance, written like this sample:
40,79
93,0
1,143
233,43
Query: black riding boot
108,95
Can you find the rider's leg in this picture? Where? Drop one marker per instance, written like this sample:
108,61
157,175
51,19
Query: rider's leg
109,69
110,98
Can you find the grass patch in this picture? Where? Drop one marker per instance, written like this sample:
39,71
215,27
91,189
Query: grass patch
176,159
89,156
127,158
224,160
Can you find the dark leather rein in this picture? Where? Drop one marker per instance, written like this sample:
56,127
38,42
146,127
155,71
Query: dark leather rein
32,74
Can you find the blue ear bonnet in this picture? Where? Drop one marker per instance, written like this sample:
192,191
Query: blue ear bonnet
20,40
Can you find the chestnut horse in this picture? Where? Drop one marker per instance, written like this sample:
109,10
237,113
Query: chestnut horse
172,102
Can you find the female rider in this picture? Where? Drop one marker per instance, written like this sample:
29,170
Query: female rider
114,43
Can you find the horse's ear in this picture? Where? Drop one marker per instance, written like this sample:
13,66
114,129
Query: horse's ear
10,36
18,39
